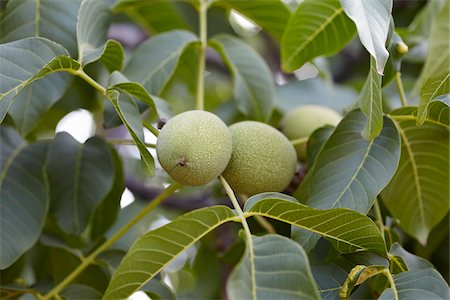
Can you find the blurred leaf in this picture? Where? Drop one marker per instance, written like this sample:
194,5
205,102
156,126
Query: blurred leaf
108,210
158,290
418,193
413,262
78,291
120,93
271,15
419,284
350,171
20,69
80,177
314,91
273,267
55,20
397,52
24,197
155,16
347,230
436,85
312,31
155,249
438,57
253,84
154,62
370,101
94,18
372,20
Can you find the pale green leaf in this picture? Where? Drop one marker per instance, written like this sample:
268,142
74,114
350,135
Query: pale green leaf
154,62
94,18
418,285
271,15
80,176
438,57
372,20
155,249
155,16
347,230
19,69
55,20
272,267
418,193
318,27
350,171
436,85
121,93
254,89
370,101
24,196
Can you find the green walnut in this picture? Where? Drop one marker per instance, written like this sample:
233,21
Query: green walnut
263,159
304,120
194,147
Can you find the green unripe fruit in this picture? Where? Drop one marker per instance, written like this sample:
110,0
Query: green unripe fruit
263,159
304,120
194,147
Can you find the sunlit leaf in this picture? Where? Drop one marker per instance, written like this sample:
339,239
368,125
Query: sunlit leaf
372,20
418,193
347,230
155,249
318,27
436,85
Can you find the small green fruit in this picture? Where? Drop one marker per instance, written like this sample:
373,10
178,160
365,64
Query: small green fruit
263,159
194,147
304,120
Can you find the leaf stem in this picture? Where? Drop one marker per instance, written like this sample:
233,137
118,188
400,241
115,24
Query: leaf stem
108,243
129,142
299,141
401,91
151,128
200,99
260,219
388,275
247,231
378,216
80,73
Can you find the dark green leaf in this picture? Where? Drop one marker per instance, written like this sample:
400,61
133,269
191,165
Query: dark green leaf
158,290
24,197
20,69
78,291
418,193
372,20
80,177
120,93
413,262
55,20
272,15
273,267
108,210
154,62
350,171
253,84
370,101
312,31
347,230
94,18
155,249
316,142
